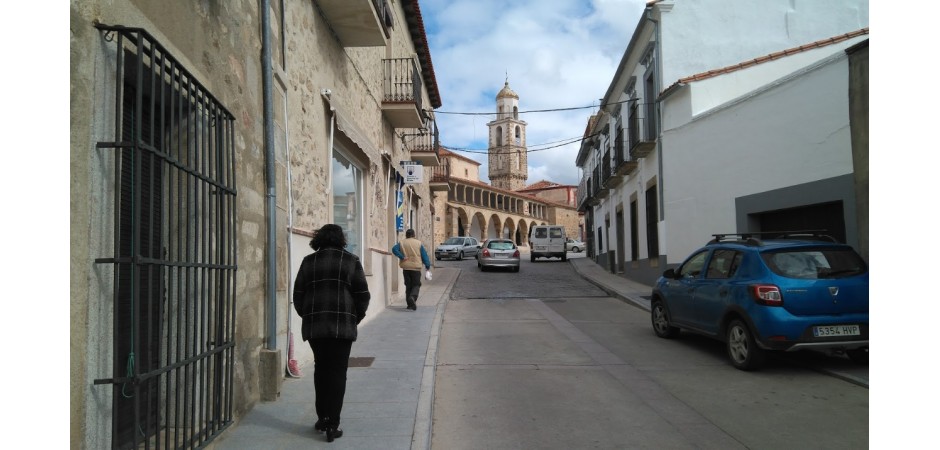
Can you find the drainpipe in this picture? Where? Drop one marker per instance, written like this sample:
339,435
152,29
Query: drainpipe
271,196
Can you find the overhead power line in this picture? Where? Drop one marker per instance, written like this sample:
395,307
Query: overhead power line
486,151
534,110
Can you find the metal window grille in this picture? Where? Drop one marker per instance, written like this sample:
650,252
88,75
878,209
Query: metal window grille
175,250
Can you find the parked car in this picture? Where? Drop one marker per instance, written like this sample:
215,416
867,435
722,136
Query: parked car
795,291
547,241
456,247
498,253
574,245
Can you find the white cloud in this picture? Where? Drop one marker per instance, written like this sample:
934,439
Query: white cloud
558,54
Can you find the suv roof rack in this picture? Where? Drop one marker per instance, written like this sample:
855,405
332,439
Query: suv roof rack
755,238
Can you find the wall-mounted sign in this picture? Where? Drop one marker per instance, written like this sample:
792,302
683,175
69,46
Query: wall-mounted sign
413,172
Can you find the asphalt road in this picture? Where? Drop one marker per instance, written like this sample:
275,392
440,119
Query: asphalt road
545,359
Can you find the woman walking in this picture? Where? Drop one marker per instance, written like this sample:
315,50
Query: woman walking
331,296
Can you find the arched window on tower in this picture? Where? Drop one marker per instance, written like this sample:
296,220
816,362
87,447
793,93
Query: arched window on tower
518,135
515,112
499,136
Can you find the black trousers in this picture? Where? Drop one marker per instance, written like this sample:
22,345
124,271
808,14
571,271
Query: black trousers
331,359
412,286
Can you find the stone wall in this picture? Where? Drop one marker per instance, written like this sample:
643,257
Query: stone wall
220,44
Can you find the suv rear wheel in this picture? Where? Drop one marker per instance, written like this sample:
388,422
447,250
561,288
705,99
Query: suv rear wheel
743,351
661,321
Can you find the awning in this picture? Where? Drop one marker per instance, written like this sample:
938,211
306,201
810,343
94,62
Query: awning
345,124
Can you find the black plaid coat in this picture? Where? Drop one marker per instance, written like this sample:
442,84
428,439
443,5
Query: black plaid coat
331,294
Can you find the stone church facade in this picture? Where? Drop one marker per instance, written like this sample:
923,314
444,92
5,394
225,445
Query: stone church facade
466,206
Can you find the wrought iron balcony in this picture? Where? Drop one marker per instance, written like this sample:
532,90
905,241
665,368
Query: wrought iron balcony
600,191
622,165
440,177
642,132
611,177
424,144
358,23
586,197
401,97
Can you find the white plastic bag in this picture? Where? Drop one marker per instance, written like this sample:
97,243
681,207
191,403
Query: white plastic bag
427,275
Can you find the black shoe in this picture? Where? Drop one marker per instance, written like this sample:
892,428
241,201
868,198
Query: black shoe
320,426
413,307
333,433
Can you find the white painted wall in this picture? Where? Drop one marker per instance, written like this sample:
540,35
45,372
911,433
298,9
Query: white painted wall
698,36
702,35
783,135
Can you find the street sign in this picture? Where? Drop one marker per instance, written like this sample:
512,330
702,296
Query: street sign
414,172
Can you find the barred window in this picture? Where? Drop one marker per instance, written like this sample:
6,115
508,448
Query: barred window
174,252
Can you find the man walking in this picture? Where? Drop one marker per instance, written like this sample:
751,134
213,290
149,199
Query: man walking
412,256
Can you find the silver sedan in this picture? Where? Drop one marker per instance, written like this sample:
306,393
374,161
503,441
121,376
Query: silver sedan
498,253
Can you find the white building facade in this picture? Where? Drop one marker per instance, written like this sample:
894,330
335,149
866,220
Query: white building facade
644,167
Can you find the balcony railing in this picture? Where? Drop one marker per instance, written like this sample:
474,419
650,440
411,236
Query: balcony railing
611,176
642,133
424,144
623,166
600,191
401,97
440,177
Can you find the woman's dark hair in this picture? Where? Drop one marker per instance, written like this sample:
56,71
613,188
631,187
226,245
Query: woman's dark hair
328,236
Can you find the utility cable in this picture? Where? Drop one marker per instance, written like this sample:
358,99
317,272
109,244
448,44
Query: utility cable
538,110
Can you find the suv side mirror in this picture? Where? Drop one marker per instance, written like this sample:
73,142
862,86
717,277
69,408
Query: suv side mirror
670,273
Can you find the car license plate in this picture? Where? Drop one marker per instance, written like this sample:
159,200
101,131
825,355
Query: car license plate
836,330
500,256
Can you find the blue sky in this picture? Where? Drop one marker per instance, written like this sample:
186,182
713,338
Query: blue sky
557,53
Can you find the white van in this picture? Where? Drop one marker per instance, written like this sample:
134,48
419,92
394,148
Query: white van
547,241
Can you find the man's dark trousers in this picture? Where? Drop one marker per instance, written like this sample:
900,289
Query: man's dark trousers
412,287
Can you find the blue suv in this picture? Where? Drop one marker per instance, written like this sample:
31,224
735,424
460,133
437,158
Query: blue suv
799,290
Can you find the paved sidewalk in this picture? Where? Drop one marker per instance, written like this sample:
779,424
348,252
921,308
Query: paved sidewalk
623,288
388,404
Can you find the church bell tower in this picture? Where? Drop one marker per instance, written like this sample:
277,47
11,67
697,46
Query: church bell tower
508,162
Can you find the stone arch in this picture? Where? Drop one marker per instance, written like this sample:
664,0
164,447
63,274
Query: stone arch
522,234
493,228
499,136
478,226
462,227
509,229
515,112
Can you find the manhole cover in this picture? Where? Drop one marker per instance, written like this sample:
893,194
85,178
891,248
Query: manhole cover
361,361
